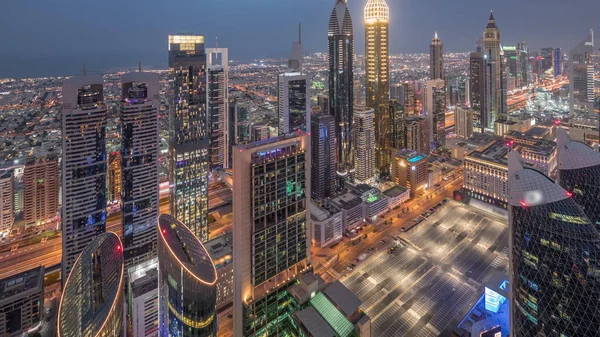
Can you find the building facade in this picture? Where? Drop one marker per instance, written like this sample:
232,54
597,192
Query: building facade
581,75
436,58
397,135
417,134
327,225
323,137
496,91
410,169
83,165
41,185
239,127
217,105
377,78
259,132
554,249
463,121
92,298
435,109
187,282
293,107
478,90
189,137
139,165
341,83
221,252
364,143
142,291
272,238
22,302
7,209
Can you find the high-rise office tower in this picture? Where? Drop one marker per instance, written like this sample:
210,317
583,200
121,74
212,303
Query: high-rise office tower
140,141
341,81
409,97
496,92
239,127
187,282
293,108
463,121
7,209
435,110
436,58
364,141
377,72
554,249
271,233
92,298
417,133
478,91
547,59
113,178
188,135
579,173
397,117
41,185
217,104
581,75
513,71
83,165
323,156
523,54
558,62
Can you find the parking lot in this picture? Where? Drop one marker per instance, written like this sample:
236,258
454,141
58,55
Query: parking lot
427,284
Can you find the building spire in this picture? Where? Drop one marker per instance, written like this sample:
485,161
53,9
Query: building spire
139,66
435,35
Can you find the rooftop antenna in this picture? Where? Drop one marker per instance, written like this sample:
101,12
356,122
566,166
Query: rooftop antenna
139,66
84,71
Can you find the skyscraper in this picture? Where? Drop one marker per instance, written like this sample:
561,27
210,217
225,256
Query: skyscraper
7,209
558,62
187,282
271,232
463,121
513,71
364,141
478,90
294,94
377,78
239,127
547,59
417,133
217,104
139,165
554,249
188,134
83,165
40,197
92,298
341,82
397,117
323,183
523,53
496,92
435,109
579,173
436,58
581,75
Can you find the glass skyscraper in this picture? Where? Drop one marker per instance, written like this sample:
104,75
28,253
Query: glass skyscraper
554,258
341,83
187,282
323,156
188,134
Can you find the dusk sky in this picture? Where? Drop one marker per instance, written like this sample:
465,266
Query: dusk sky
54,37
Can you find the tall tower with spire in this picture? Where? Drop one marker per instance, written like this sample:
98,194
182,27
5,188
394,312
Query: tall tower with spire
377,78
436,58
496,91
341,81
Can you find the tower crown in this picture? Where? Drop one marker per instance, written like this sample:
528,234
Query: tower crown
340,22
376,10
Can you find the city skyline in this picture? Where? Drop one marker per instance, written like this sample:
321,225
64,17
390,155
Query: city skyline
410,21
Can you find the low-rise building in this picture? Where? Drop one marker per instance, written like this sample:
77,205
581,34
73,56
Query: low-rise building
221,252
351,207
21,302
326,223
396,195
410,169
375,203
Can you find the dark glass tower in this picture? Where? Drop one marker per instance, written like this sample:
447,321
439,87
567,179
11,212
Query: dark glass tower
323,155
579,173
554,270
478,90
341,81
188,136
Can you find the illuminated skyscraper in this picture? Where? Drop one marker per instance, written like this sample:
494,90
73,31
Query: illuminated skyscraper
579,173
436,58
341,83
397,117
581,75
364,141
217,104
188,134
435,109
294,94
554,254
7,209
323,156
187,282
92,298
496,93
377,72
478,90
139,165
40,198
523,54
239,127
418,134
83,165
271,232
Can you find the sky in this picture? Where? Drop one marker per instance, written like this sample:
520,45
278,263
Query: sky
55,37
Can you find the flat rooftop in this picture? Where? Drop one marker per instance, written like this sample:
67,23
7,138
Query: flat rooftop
395,191
346,201
20,283
220,246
